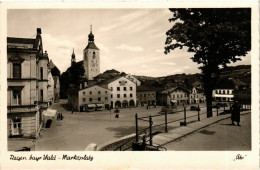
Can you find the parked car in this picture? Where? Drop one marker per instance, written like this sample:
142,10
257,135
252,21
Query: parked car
194,108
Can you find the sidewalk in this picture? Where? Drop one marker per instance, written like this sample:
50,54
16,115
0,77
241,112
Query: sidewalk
182,131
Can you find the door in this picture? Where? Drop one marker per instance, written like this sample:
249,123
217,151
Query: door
16,126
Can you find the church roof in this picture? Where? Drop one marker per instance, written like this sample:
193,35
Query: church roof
92,45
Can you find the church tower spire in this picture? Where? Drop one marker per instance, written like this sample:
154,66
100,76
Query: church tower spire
91,35
73,58
91,58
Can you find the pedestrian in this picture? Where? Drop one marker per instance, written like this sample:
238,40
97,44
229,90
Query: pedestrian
235,116
61,116
58,116
72,111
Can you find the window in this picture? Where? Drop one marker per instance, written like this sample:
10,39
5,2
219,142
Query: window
224,91
118,95
111,88
99,92
111,96
124,95
177,95
131,88
41,97
181,95
90,92
148,94
41,70
118,88
141,95
124,88
90,99
105,92
83,93
106,98
144,95
227,91
197,96
16,70
173,96
99,99
94,52
84,99
17,97
131,95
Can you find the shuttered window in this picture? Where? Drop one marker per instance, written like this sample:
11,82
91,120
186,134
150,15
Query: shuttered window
16,70
16,97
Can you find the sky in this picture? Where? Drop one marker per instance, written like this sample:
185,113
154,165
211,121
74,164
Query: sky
130,40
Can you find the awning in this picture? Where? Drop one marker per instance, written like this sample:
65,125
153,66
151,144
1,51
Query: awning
174,101
50,113
90,105
100,105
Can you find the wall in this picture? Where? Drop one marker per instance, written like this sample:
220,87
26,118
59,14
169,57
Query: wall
91,65
150,95
114,144
94,90
50,87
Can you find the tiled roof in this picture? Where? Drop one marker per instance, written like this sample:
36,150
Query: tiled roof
145,88
91,45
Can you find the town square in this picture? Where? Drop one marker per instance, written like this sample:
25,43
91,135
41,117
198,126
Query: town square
134,85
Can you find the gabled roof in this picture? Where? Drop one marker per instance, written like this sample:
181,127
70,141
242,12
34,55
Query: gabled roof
174,88
94,86
91,45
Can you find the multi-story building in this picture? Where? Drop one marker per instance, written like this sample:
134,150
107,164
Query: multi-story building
95,95
123,91
50,87
27,84
145,95
133,79
196,96
176,95
55,72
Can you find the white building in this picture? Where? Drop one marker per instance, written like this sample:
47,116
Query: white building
123,92
50,87
133,79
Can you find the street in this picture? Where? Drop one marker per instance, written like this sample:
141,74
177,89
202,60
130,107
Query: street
82,128
220,136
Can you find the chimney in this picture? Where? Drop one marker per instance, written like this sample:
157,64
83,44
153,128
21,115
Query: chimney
39,31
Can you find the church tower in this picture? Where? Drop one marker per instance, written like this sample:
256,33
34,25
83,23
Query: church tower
91,58
73,58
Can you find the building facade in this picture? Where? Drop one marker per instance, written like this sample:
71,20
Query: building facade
173,96
27,85
91,58
196,96
123,92
145,95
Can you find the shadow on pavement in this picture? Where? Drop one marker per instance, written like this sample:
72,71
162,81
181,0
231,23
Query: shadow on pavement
127,130
66,107
228,124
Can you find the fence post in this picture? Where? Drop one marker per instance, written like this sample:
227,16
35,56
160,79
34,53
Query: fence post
150,126
184,116
217,111
136,127
166,128
198,112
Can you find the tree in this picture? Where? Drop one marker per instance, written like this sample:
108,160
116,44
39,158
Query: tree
216,36
76,72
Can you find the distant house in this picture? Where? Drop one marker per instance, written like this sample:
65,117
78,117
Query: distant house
173,96
145,95
55,72
225,90
90,97
196,96
133,79
123,91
